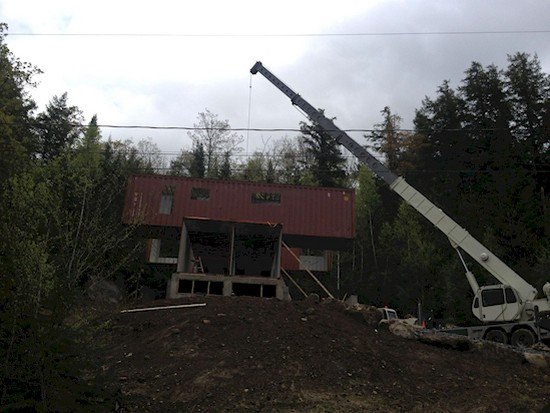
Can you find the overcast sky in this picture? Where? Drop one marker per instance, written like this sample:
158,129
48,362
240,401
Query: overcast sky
168,80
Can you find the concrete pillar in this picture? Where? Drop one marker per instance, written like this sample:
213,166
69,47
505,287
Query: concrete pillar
227,288
184,252
276,265
279,293
173,286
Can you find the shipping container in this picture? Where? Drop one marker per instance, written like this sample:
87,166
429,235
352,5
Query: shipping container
303,211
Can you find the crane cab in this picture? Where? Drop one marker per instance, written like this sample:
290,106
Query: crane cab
497,303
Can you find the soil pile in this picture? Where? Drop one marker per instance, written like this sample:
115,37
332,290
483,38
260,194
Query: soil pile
262,355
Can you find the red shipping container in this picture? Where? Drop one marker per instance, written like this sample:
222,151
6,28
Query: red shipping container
161,200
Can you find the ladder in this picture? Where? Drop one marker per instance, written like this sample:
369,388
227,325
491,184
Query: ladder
199,268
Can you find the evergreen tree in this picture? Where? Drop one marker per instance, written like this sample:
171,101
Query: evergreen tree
444,146
225,168
198,161
270,171
58,127
528,90
326,163
16,107
388,139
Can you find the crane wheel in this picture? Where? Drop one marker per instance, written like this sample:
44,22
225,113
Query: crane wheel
496,336
522,337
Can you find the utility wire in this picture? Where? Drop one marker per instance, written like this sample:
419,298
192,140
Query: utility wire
248,129
283,35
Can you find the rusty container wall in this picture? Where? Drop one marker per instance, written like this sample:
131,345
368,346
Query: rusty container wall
302,210
289,263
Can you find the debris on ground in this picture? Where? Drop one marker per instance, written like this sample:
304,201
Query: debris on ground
257,355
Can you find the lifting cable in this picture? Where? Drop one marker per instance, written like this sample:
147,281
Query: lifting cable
249,109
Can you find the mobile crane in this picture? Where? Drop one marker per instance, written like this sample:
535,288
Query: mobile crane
510,311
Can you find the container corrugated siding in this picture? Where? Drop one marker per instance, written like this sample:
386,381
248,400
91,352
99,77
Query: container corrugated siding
289,263
306,211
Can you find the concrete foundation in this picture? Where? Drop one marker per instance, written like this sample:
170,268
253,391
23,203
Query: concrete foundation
189,284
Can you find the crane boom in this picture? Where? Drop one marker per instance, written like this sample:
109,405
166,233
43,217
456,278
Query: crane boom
317,117
457,235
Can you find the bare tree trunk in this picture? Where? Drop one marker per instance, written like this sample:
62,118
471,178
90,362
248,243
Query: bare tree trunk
77,233
372,241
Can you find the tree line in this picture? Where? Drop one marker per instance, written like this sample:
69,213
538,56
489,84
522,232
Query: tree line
480,151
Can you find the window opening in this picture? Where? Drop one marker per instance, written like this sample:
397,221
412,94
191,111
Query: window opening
201,194
167,201
201,287
185,287
492,297
266,198
510,296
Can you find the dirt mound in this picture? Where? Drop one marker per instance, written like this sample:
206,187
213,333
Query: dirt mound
262,355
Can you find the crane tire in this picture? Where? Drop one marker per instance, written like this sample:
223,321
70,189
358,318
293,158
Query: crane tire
522,337
496,336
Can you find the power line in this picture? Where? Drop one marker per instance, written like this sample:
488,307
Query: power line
282,35
230,129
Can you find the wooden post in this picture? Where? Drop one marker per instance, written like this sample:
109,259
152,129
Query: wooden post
232,251
294,282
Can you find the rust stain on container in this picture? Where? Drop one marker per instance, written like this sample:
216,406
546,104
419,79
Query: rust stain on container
161,200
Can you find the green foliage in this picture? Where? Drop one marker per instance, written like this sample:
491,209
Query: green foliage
58,127
325,161
61,228
16,109
492,154
190,163
388,139
480,152
411,254
367,202
254,168
287,157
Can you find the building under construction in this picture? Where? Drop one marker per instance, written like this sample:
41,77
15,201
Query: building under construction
236,237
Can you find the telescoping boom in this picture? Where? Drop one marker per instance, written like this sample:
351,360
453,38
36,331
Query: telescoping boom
525,294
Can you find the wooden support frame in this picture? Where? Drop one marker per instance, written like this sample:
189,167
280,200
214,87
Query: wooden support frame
308,271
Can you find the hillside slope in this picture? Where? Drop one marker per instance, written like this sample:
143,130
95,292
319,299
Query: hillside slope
260,355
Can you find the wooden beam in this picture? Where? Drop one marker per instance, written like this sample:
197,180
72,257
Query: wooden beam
294,282
169,307
308,271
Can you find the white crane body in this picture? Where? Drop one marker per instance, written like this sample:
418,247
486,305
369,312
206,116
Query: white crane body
511,302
